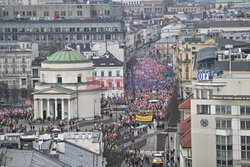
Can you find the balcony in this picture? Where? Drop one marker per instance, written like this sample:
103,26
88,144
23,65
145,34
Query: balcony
184,61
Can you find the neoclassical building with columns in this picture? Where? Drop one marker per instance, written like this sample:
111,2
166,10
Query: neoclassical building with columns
63,91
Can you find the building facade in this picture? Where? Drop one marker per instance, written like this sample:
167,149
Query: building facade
188,55
151,8
64,91
220,118
184,8
62,11
109,71
16,61
63,31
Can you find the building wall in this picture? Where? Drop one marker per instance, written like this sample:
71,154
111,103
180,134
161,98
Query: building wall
68,11
64,31
186,9
113,91
89,104
152,8
15,65
184,153
68,75
222,91
186,60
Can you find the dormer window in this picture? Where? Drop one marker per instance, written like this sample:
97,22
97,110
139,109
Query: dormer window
111,64
102,64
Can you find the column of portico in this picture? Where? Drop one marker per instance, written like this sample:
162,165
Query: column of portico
55,108
41,108
48,107
69,103
36,109
62,109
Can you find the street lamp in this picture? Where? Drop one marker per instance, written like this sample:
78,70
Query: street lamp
94,112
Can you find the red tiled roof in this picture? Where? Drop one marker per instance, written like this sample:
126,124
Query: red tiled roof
185,133
185,125
186,104
185,140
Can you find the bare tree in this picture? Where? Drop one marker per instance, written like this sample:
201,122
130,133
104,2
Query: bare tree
4,92
14,95
173,113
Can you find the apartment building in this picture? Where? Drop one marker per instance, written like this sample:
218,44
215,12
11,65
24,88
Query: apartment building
109,71
62,11
62,31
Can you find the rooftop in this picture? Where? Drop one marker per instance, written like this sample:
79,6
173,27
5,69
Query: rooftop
222,42
232,1
66,56
29,158
185,133
206,53
171,39
186,104
107,60
223,23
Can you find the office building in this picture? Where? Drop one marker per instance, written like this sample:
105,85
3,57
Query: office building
220,116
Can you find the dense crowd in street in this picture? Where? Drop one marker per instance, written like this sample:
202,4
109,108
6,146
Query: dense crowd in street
9,118
148,80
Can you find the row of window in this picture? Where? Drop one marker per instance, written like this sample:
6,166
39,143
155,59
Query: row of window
223,124
62,37
6,60
221,109
79,80
6,70
64,29
55,14
23,82
110,74
227,124
182,10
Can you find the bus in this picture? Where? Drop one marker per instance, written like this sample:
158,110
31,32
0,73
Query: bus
157,160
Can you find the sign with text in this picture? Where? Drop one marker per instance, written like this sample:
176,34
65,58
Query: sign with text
206,75
143,118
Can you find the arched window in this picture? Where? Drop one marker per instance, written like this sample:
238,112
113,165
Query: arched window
59,78
43,78
79,78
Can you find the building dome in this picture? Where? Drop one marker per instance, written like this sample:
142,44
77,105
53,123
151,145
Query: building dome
66,56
